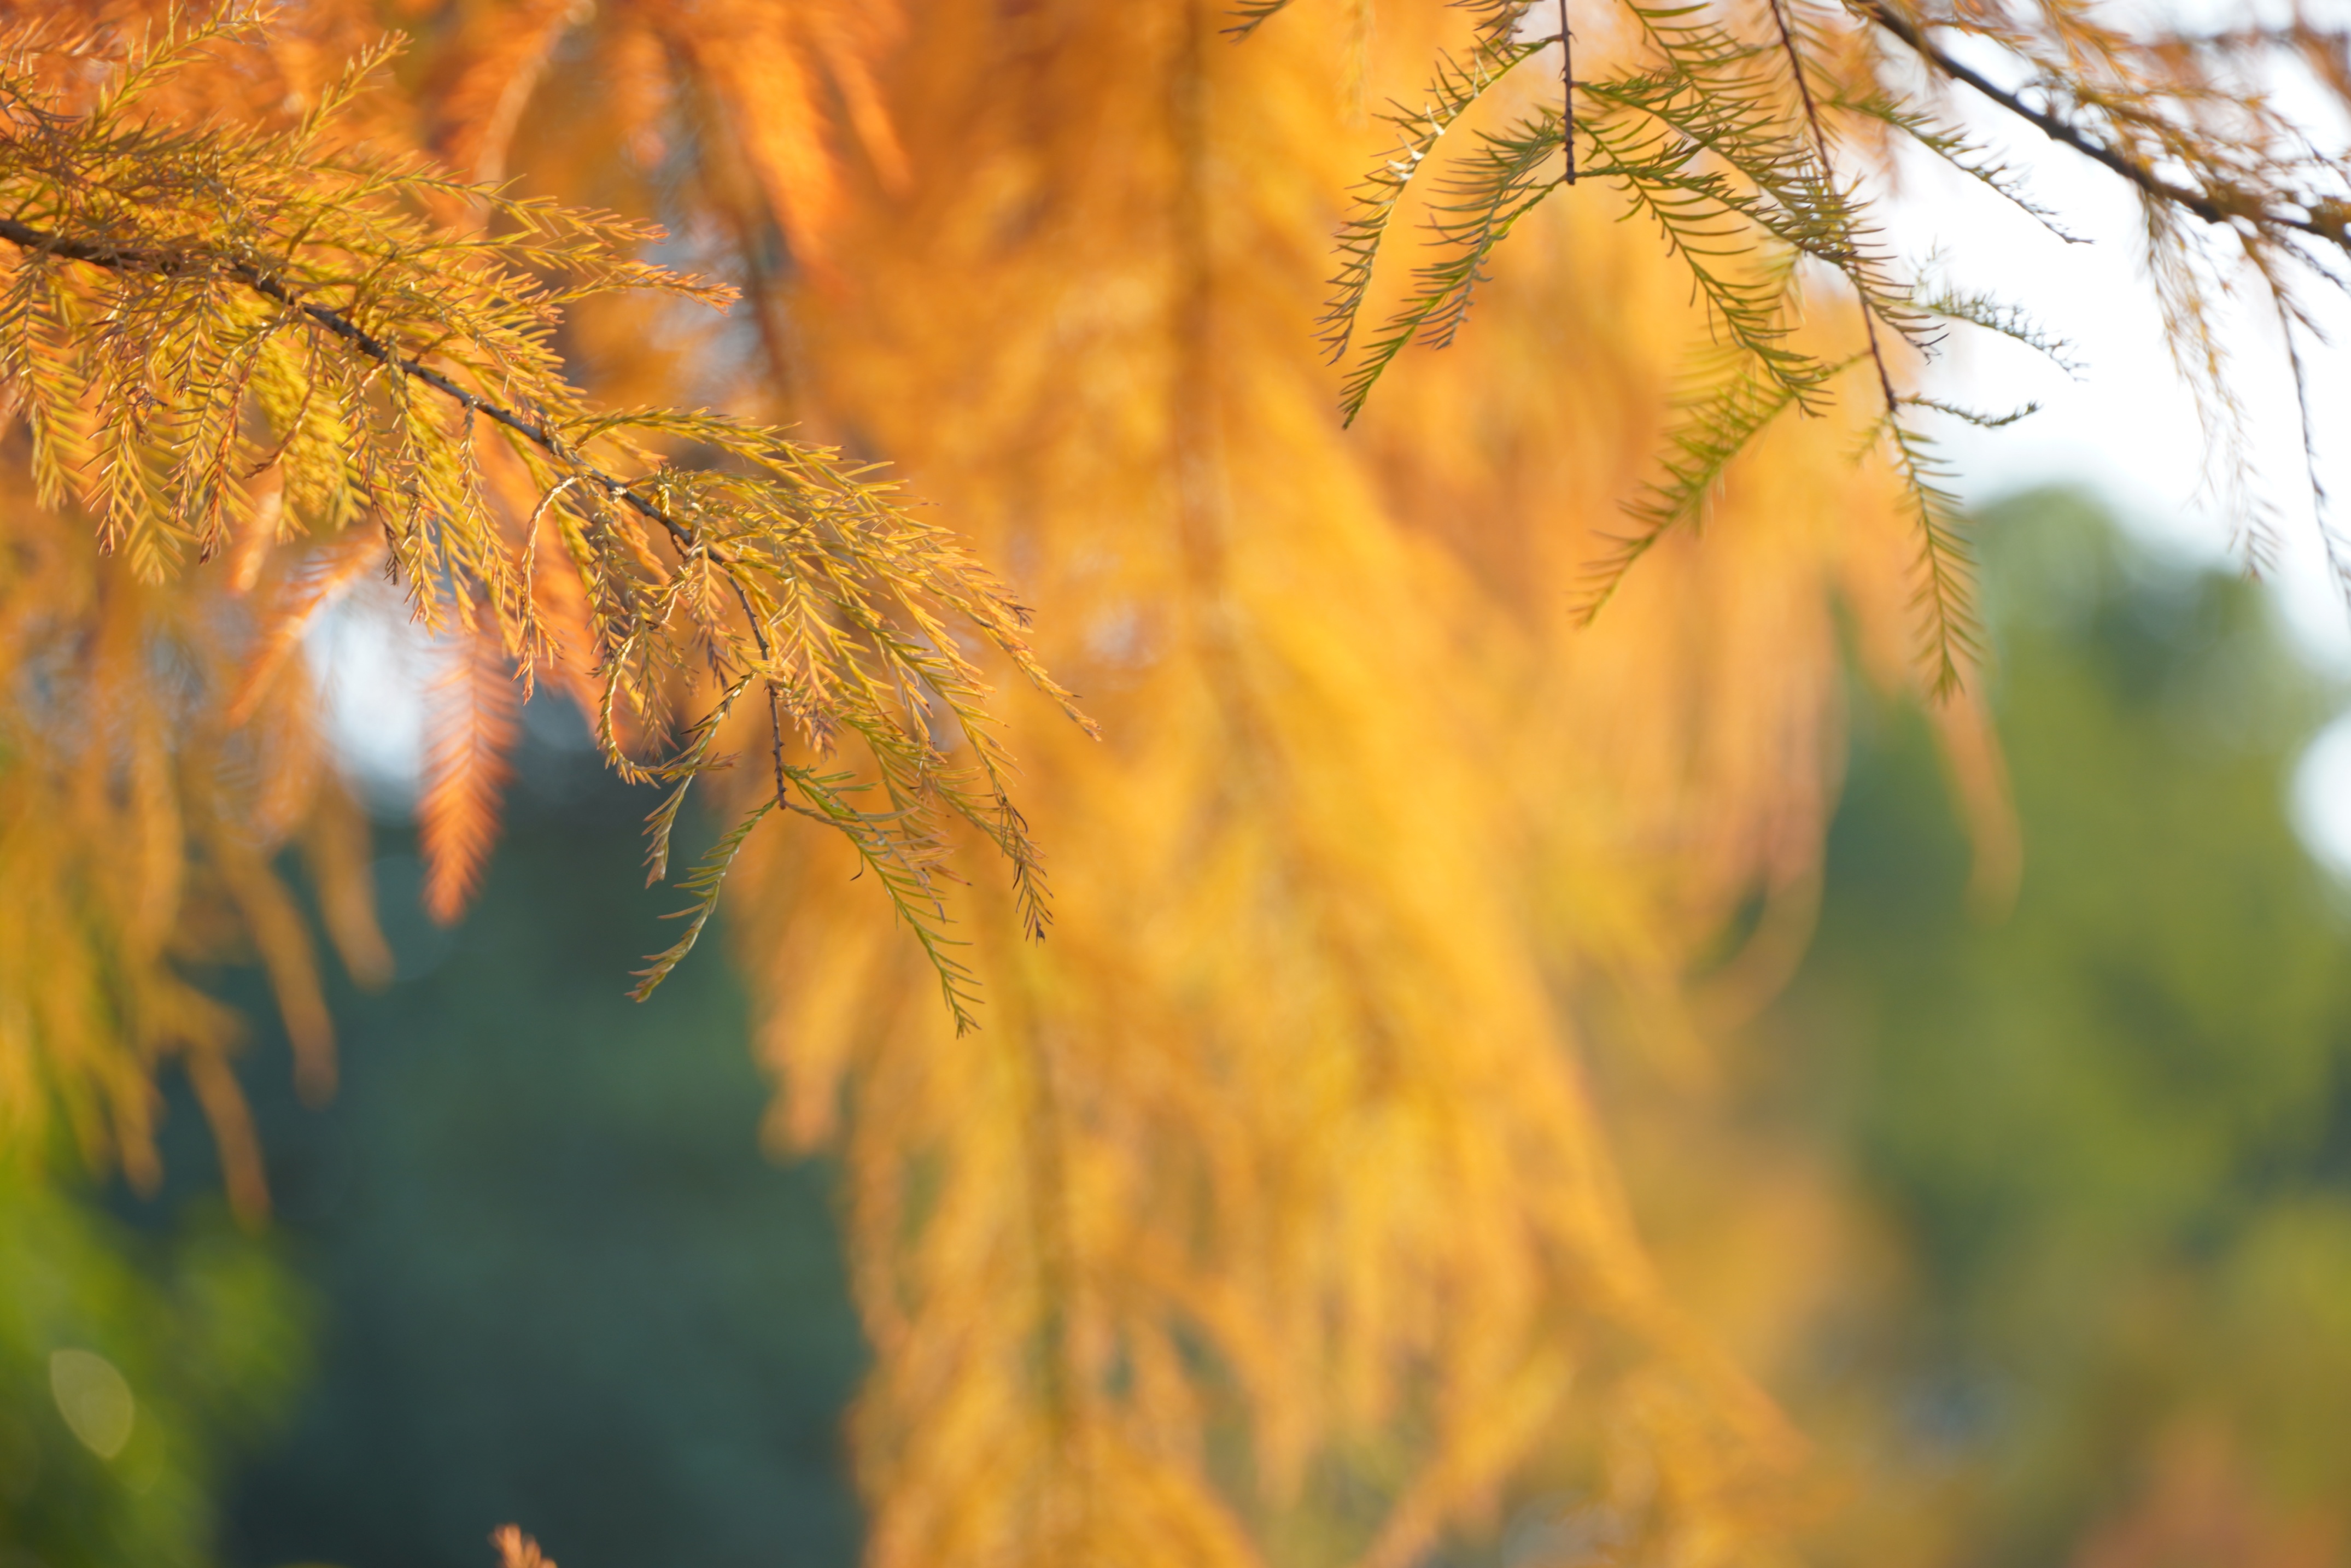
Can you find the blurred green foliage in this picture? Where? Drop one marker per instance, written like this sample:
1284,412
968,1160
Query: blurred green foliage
563,1286
133,1371
2108,1133
529,1266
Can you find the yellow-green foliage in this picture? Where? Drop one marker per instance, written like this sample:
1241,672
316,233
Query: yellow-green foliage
131,1374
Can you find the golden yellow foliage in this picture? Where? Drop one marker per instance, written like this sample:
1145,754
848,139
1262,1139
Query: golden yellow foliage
1271,1218
250,343
140,829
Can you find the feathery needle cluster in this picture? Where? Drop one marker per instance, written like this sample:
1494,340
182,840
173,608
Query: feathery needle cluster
1733,129
224,336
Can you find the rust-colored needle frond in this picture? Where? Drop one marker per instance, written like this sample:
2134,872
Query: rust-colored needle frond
472,712
517,1549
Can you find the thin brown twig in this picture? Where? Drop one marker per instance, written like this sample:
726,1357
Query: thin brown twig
2058,129
1567,90
126,258
1828,177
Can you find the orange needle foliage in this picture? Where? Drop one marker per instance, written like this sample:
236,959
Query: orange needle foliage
1270,1218
264,343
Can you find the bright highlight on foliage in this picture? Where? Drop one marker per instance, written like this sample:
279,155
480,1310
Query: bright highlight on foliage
95,1400
1271,1218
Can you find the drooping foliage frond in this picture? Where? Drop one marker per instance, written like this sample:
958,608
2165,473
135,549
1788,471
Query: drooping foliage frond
1944,572
704,884
1740,130
472,723
1482,206
1250,15
1715,427
215,329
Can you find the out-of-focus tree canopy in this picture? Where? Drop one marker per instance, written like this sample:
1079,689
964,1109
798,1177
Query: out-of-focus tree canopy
2099,1144
136,1372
